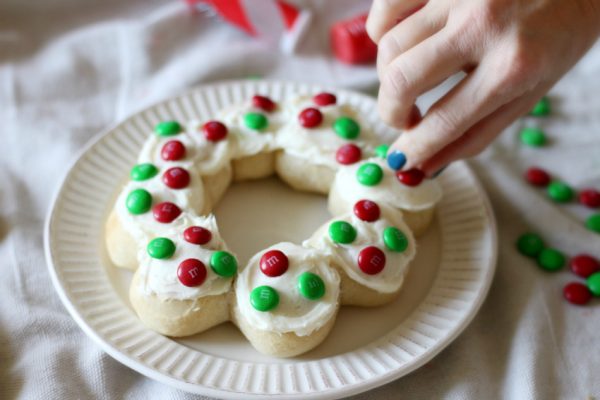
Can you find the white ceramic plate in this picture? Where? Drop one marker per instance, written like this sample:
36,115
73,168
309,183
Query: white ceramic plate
367,347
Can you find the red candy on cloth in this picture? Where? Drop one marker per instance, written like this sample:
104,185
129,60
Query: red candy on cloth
590,198
350,42
584,265
537,177
577,293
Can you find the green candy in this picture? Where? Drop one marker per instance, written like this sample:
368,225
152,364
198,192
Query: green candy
264,298
395,239
560,192
138,201
369,174
142,172
161,248
311,286
382,150
168,128
593,283
223,263
530,244
346,128
255,121
342,232
593,223
551,259
533,137
541,108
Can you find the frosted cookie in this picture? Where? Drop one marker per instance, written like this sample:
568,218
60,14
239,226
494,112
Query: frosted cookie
372,249
320,136
185,275
372,179
253,126
286,299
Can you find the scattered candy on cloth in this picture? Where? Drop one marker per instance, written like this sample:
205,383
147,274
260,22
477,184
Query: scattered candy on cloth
70,70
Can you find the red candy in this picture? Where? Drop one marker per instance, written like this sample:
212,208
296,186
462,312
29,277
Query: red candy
590,198
537,177
165,212
264,103
371,260
173,150
214,131
274,263
411,177
176,178
197,235
310,117
584,265
351,43
348,154
191,272
324,99
577,293
367,210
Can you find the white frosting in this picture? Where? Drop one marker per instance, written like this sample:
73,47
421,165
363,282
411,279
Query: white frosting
320,144
390,279
207,157
248,142
389,191
294,312
143,226
159,277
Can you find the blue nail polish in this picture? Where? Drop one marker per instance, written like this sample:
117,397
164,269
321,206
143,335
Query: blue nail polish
438,172
396,160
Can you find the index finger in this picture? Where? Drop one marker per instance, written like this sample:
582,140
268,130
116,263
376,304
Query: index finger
384,14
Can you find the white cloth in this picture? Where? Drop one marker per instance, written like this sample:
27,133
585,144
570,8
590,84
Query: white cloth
70,69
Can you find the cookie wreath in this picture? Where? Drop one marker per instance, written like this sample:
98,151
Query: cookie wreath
285,300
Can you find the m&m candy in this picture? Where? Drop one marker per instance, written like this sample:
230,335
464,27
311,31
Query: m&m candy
255,121
173,150
593,283
166,212
346,127
367,210
197,235
191,272
142,172
382,150
214,131
530,244
551,259
310,117
396,160
369,174
311,286
264,298
395,239
560,192
593,223
168,128
274,263
161,248
176,178
371,260
590,198
537,177
324,99
138,201
411,177
223,263
533,137
584,265
541,108
348,154
264,103
342,232
577,293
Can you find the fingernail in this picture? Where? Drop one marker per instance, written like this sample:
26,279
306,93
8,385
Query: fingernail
438,172
396,160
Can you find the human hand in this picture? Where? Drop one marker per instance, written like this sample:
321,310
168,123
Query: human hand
513,52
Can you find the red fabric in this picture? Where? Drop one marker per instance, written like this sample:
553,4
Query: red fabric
289,13
350,42
233,12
